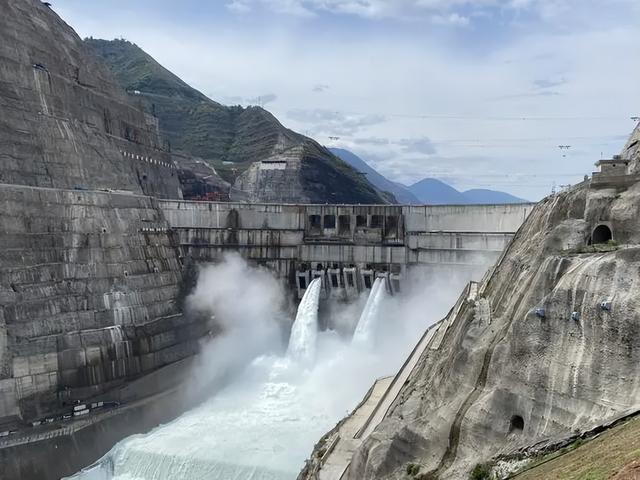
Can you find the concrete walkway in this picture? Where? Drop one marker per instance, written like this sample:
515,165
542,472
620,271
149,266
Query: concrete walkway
341,450
394,388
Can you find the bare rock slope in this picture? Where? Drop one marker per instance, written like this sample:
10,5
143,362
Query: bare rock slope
547,357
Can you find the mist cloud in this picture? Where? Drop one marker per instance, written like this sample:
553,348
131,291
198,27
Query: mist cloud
247,305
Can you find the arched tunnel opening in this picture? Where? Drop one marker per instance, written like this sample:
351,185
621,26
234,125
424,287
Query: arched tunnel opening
601,234
517,424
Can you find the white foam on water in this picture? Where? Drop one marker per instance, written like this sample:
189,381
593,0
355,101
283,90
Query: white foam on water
265,423
262,427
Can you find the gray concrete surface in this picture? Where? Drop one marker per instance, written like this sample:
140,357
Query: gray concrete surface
65,122
294,238
338,456
89,293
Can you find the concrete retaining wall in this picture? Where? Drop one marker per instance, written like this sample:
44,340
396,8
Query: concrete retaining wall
89,291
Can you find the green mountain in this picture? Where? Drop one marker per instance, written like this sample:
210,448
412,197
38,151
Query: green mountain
232,139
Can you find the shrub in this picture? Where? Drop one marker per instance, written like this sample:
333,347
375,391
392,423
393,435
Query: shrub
413,469
482,471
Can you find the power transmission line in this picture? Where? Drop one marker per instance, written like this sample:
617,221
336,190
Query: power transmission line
446,116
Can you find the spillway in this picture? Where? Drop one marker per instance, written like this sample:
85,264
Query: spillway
263,424
364,334
260,428
304,333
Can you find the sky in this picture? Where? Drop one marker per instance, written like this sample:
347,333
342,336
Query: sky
477,93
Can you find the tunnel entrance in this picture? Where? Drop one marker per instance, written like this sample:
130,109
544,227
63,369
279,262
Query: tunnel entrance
516,424
601,234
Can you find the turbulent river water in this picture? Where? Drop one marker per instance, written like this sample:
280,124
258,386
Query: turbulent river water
264,424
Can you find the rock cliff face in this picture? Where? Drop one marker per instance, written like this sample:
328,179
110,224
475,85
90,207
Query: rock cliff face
631,150
506,376
65,122
246,146
304,173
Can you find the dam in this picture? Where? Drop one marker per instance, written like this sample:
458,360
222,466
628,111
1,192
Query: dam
346,245
93,288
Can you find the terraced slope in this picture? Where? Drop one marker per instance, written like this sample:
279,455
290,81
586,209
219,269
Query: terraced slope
64,120
90,280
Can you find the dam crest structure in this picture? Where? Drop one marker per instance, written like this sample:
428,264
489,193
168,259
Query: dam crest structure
347,246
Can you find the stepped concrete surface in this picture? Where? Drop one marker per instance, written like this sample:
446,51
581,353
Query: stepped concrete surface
345,443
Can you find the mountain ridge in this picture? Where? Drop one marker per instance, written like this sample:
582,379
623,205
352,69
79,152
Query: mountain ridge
402,194
233,140
428,190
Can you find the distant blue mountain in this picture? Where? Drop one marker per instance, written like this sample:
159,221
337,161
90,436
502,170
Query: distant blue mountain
428,190
435,192
480,195
402,194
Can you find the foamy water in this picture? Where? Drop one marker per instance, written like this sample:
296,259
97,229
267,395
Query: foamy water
264,425
304,332
364,335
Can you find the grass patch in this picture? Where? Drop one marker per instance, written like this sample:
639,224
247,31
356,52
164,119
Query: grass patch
610,246
595,459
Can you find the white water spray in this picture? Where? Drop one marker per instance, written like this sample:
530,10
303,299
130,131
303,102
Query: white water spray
364,334
264,423
304,333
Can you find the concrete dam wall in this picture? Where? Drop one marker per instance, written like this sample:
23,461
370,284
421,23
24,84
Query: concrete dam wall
89,291
90,281
346,244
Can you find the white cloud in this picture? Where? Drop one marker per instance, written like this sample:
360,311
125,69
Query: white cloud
442,12
417,145
289,7
320,88
452,19
334,123
239,6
